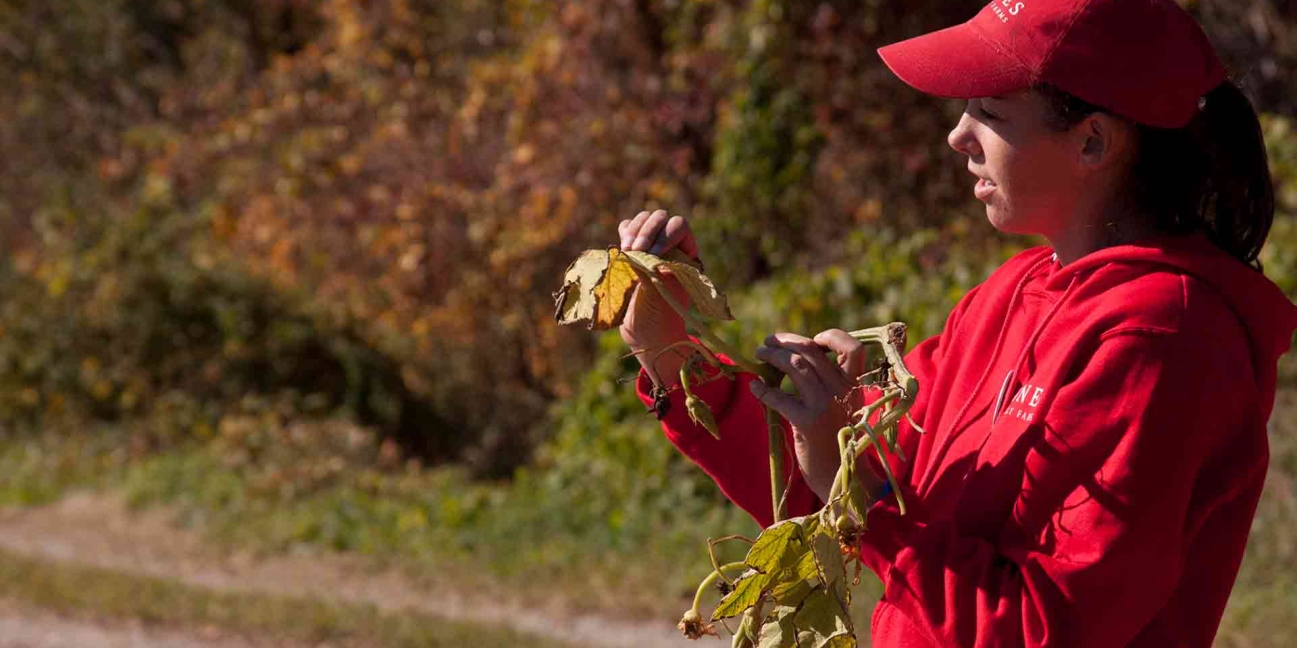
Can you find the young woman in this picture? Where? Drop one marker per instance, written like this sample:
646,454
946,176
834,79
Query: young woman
1095,412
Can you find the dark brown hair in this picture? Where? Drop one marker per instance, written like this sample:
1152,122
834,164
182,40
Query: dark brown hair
1211,176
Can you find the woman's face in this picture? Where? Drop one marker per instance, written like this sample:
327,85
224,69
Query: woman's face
1028,174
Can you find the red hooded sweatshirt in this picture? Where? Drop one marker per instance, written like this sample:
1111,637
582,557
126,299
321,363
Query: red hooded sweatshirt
1095,449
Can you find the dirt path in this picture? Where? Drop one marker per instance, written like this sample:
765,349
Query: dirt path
98,530
22,627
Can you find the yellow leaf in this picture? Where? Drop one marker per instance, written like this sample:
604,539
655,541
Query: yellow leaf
597,287
612,294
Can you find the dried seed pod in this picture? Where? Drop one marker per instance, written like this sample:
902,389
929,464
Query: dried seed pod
701,414
691,624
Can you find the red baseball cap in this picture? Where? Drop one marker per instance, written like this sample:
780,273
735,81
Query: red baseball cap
1146,60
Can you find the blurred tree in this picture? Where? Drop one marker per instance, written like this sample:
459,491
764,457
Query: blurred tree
402,183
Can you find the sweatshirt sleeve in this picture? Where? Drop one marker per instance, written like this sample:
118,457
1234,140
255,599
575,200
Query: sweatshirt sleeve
1097,537
739,461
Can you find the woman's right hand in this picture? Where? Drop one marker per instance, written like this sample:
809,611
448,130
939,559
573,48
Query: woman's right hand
650,323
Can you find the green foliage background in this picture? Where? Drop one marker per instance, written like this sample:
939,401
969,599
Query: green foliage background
288,264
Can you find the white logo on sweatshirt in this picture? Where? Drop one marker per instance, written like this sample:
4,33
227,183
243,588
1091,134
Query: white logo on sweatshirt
1024,403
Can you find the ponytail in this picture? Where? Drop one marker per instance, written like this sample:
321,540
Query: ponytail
1212,176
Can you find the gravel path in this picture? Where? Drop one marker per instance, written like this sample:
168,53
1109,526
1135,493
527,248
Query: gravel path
98,530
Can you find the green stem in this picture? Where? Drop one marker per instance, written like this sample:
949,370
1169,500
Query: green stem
769,375
706,353
750,626
868,411
711,549
844,443
887,468
711,580
775,434
684,377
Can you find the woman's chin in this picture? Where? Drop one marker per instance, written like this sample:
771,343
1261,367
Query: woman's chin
1007,222
1000,220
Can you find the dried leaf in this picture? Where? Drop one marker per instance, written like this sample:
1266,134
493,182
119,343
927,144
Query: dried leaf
824,621
612,293
709,301
783,566
778,631
828,559
575,301
597,287
794,582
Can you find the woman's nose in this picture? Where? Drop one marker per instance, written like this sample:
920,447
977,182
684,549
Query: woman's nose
961,137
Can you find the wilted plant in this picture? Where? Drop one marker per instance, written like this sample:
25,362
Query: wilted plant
791,588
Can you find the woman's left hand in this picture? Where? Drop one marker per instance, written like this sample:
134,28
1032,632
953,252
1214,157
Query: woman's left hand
825,398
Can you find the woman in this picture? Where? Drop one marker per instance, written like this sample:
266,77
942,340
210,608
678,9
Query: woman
1095,412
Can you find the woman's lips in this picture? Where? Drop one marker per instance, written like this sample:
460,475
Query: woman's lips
983,189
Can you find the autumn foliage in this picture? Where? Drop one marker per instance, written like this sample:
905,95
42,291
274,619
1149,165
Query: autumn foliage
367,203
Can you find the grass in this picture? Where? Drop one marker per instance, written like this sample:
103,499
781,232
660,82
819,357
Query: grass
485,536
489,537
38,470
93,592
622,555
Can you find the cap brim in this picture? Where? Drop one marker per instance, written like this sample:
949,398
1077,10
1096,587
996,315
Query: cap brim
955,62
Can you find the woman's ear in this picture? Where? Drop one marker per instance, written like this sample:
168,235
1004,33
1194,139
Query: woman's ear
1104,140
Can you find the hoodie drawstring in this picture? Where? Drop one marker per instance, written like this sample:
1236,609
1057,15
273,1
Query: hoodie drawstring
941,453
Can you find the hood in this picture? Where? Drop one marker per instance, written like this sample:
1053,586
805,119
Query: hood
1267,314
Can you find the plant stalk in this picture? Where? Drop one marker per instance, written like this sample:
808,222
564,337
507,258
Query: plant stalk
711,580
767,374
775,434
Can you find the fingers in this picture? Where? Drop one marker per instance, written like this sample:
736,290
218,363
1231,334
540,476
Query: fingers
648,231
853,356
798,369
812,399
807,351
628,229
657,233
676,233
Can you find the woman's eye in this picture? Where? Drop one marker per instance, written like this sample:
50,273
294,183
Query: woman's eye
988,114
